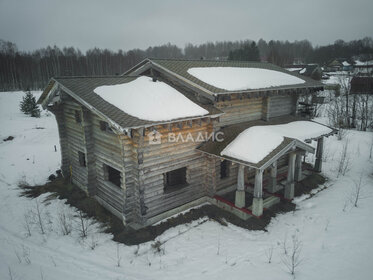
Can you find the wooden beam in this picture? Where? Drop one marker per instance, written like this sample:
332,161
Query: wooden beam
257,207
273,178
240,192
289,187
298,167
319,152
240,178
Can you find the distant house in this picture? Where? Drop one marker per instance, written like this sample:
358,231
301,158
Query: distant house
363,68
171,134
313,70
339,64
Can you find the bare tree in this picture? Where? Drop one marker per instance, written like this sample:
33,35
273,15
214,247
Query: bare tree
345,83
27,223
18,255
285,245
356,195
93,241
24,255
293,259
336,112
39,216
65,221
269,253
10,273
83,224
342,133
344,160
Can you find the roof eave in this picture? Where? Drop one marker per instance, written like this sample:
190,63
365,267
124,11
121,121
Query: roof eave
269,89
117,126
212,116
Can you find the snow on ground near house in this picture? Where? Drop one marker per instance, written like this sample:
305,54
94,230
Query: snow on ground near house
33,145
362,63
255,143
237,78
148,100
294,69
340,77
336,244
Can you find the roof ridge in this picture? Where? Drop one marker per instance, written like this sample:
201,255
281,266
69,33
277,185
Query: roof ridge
208,60
99,76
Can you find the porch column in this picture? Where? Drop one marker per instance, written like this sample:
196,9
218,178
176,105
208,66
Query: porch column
319,151
257,207
240,192
298,167
289,187
273,179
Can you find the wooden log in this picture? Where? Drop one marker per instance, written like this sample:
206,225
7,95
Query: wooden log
319,154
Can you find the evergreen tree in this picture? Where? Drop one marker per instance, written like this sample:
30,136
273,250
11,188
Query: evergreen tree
28,105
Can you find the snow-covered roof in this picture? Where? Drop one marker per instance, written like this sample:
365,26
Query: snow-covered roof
82,89
363,63
147,100
239,78
345,63
255,143
249,85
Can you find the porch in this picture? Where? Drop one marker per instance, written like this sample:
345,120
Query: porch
273,177
226,198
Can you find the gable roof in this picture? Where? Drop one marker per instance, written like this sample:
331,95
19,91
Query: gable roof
179,69
82,90
230,133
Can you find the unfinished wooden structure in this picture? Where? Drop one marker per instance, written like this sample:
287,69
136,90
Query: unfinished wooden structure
110,155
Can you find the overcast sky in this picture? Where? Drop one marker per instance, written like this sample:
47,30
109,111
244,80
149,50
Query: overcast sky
122,24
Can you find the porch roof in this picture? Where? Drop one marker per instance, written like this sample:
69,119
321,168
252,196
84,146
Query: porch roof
288,143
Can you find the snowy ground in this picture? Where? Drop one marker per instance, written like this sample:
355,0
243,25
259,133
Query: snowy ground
336,237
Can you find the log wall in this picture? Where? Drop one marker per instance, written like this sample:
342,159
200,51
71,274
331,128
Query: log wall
281,106
75,143
101,148
161,158
239,110
231,178
108,151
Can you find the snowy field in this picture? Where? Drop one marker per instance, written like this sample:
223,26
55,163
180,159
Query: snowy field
336,237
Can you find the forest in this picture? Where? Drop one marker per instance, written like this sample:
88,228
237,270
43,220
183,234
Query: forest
20,70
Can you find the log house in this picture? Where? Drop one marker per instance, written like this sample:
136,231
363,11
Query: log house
110,155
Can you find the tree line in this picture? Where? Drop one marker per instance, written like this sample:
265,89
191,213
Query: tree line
20,70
